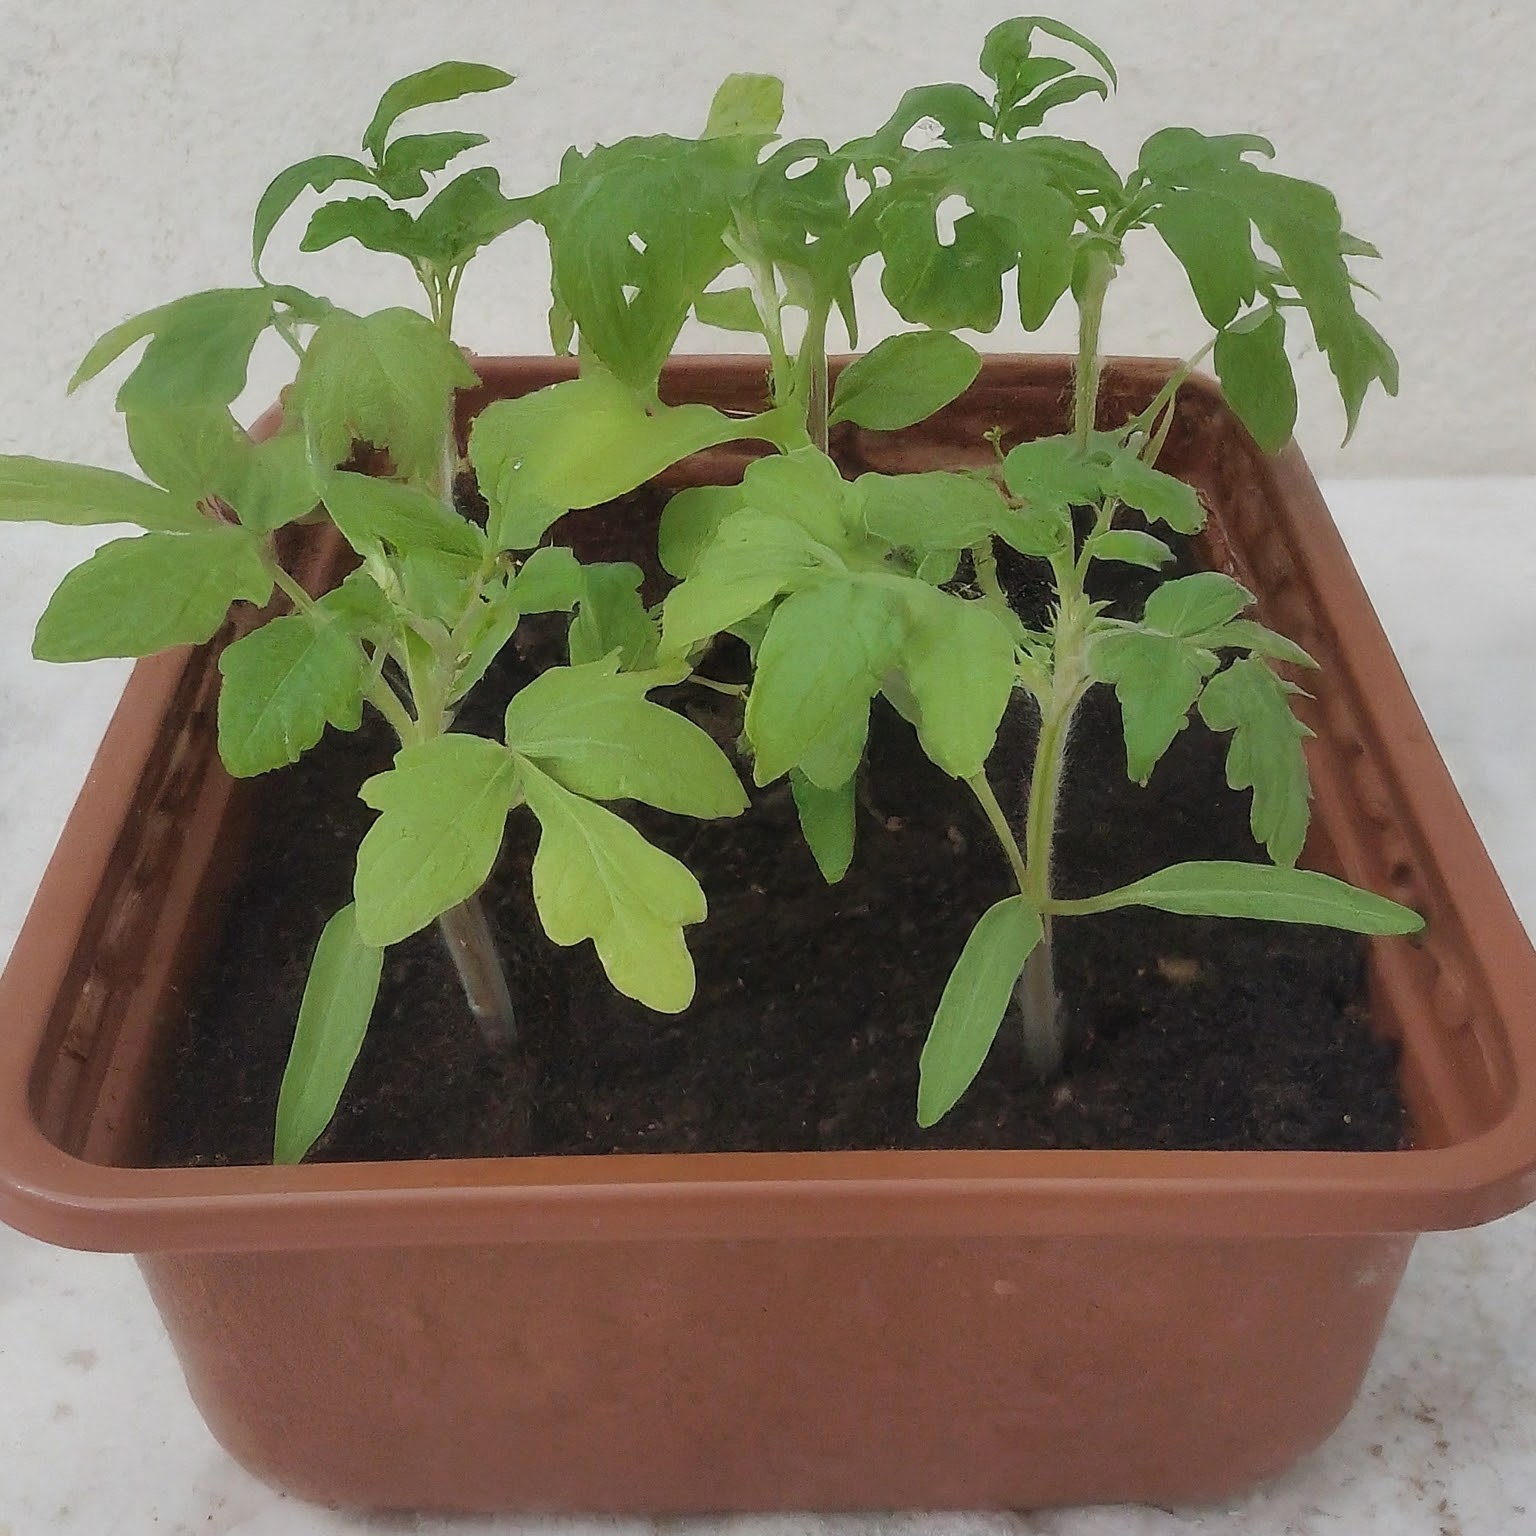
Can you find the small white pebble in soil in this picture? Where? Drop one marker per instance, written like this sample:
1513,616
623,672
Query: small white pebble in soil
1178,970
894,823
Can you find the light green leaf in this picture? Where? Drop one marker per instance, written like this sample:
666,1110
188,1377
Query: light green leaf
688,523
369,511
1249,635
548,581
595,877
976,996
191,450
1053,472
752,105
1256,378
1131,548
928,512
321,173
387,379
442,82
1211,238
807,488
593,729
373,223
822,658
611,616
1223,889
411,159
1191,605
282,683
333,1019
753,557
827,821
468,213
1163,498
81,496
1156,678
584,442
276,483
443,812
134,597
1266,755
945,287
957,659
733,310
904,380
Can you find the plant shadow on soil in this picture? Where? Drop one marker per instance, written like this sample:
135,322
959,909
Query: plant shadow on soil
813,1000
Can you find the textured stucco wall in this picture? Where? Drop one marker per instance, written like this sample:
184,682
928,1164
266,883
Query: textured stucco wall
134,139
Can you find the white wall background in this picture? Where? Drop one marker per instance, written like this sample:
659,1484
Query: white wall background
135,138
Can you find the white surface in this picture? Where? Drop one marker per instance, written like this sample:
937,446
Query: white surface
135,138
97,1436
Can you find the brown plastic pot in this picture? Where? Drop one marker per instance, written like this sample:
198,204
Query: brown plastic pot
753,1332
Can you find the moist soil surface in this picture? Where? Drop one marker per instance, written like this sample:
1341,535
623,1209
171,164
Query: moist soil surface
813,1001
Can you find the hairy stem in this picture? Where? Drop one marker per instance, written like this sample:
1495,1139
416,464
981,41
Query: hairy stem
982,789
467,937
1090,316
811,369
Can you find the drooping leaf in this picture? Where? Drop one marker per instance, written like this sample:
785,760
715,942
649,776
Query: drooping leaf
282,684
1218,888
442,82
1053,472
1256,377
822,659
957,111
904,380
333,1019
593,730
81,496
136,596
277,483
827,822
443,809
971,1009
1007,54
611,616
387,379
1266,753
1212,240
319,173
957,661
1156,677
595,877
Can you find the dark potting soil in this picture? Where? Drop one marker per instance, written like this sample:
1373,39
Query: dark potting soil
813,1001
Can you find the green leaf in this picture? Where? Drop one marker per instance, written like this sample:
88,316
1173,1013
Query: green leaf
971,1010
435,583
753,557
333,1019
442,82
1185,157
1249,635
827,820
904,380
548,581
689,521
468,213
807,488
372,222
959,113
411,159
946,287
1222,889
136,596
1156,678
1161,497
1131,548
443,812
1190,605
595,877
369,511
1212,240
1256,378
957,660
732,310
198,354
1046,252
751,105
584,442
593,730
610,616
321,173
191,450
1006,54
1266,755
822,659
276,484
80,496
930,511
282,683
1053,472
387,379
